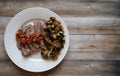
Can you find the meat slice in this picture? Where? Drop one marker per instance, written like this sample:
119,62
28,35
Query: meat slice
42,45
31,41
37,26
29,29
32,48
36,45
25,27
26,51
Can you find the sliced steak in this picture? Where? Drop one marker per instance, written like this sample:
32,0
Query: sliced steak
31,40
37,26
30,30
26,51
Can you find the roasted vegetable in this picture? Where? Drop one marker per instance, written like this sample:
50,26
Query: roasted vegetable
54,39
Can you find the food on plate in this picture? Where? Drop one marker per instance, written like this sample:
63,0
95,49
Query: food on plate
53,40
30,37
47,37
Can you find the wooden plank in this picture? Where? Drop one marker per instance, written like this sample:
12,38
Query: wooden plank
94,43
76,25
3,23
77,0
98,25
75,55
67,68
87,43
93,0
2,47
64,8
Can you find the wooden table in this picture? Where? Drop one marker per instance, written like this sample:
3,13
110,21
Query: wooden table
94,27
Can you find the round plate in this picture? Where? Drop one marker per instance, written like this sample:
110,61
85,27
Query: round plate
34,63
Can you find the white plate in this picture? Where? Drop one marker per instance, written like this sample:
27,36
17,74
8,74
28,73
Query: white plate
33,63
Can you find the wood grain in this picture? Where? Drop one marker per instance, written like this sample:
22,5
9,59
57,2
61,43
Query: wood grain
77,25
108,8
98,25
67,68
94,43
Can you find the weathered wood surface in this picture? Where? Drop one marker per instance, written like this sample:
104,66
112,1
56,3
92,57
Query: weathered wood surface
69,8
67,68
94,27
